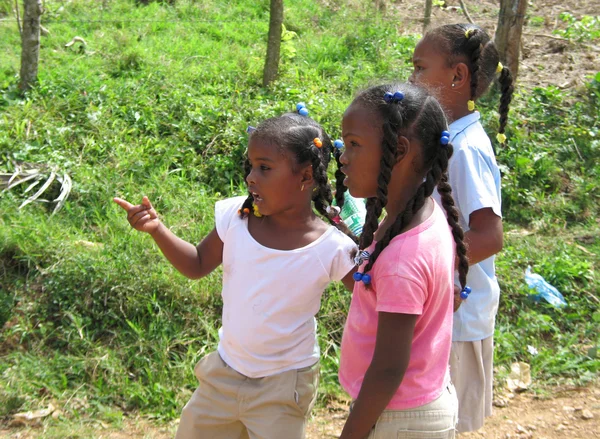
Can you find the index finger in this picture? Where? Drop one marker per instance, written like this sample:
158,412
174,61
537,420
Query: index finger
124,204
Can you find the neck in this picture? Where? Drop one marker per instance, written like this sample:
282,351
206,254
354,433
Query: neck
397,200
292,218
458,112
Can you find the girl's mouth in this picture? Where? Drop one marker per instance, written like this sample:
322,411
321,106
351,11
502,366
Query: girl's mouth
257,198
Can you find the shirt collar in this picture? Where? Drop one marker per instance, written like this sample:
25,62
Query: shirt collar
458,126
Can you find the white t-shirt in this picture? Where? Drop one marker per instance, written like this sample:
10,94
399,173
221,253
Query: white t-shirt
475,180
270,297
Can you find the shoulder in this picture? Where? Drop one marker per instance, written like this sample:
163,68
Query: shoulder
472,141
230,203
225,211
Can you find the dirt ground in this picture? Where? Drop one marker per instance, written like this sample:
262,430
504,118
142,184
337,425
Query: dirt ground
564,413
547,59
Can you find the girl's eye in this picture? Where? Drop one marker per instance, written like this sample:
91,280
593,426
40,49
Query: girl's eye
264,168
354,144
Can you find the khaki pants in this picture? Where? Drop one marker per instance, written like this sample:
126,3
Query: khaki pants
435,420
471,369
229,405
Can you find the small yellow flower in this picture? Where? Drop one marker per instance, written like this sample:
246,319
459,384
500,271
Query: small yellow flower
471,105
501,137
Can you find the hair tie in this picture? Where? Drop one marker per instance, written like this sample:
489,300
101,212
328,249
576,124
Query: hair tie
465,293
361,257
332,210
250,129
317,142
501,138
499,68
365,277
469,33
301,109
471,105
445,139
393,97
338,144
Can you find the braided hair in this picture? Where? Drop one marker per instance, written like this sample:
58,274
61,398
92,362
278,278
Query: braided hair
418,116
295,134
472,45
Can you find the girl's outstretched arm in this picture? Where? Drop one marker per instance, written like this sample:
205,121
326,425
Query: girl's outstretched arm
192,262
384,375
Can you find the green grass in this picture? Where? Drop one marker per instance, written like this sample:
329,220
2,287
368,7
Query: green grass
157,103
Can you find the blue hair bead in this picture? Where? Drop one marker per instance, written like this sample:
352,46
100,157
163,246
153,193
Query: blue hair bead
357,276
303,111
300,105
445,133
250,129
398,96
338,144
445,140
366,278
388,97
465,293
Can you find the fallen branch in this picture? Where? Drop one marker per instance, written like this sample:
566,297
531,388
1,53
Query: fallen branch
553,37
465,11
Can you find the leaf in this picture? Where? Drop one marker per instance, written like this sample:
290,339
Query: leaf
40,190
65,190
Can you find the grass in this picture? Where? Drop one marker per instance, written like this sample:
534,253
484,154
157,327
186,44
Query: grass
157,103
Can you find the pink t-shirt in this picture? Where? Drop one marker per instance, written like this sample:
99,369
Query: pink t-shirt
413,275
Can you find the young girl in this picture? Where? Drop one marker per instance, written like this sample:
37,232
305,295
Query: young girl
397,338
278,257
458,63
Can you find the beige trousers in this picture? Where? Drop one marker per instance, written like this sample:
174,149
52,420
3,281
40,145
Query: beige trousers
471,369
229,405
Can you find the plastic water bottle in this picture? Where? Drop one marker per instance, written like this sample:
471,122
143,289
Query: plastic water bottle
353,213
545,291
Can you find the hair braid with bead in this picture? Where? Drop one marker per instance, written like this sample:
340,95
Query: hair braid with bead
418,117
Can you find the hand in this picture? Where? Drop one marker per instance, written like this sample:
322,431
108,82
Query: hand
142,217
457,299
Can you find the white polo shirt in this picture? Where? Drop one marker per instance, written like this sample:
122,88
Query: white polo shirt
475,180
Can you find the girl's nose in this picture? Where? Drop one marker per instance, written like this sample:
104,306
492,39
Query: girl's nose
250,178
411,78
344,157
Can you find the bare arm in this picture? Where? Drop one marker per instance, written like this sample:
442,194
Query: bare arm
484,239
348,280
384,375
192,262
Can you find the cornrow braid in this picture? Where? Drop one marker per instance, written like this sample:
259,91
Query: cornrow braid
506,92
340,189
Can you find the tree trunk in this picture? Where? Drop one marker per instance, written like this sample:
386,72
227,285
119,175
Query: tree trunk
30,43
427,17
274,42
508,33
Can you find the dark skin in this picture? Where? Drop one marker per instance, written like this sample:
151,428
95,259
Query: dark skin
451,86
360,161
282,191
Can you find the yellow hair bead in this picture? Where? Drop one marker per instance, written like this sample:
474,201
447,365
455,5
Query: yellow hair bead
256,212
468,33
471,105
501,137
499,68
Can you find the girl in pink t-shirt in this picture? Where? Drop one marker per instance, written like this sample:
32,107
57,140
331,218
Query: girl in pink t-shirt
397,339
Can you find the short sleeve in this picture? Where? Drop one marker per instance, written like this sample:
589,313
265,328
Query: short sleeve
343,261
225,213
399,294
474,183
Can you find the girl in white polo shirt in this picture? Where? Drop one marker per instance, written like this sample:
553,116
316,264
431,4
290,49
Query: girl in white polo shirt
458,62
278,257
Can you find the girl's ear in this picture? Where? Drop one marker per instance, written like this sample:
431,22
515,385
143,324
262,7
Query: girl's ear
307,176
461,76
403,148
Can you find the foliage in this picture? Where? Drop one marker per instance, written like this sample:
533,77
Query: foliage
585,29
156,103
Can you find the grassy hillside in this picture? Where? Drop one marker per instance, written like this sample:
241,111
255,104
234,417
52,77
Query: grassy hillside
156,102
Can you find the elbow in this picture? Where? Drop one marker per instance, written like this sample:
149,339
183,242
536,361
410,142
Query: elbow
499,243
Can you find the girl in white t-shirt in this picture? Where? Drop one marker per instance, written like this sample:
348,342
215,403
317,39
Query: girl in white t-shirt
397,338
278,256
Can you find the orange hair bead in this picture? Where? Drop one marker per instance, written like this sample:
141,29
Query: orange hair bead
246,210
317,142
